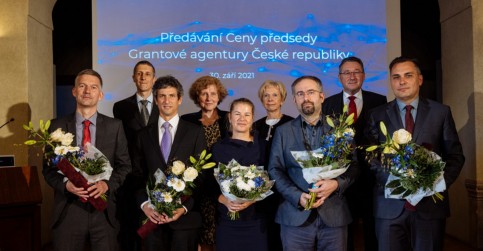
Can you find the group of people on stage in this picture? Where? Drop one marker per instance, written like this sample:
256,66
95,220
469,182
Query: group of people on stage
148,134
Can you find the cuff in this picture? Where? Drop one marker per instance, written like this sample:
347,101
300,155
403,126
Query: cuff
186,210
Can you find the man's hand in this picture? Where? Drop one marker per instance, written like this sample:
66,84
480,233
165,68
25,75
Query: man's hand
304,199
324,188
152,215
176,215
79,191
97,189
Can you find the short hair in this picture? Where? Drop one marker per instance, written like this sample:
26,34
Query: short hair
402,59
277,84
90,72
351,59
204,82
143,62
314,78
165,82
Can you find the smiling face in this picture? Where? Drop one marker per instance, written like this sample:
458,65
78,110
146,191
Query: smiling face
241,118
208,98
168,102
87,91
351,76
272,99
406,81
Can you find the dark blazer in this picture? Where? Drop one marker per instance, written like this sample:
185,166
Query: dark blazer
222,121
127,110
290,183
189,140
334,104
111,141
434,126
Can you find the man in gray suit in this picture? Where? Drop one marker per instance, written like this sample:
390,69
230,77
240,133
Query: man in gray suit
399,225
324,226
76,224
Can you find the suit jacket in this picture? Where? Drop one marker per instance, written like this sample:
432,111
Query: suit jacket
222,121
111,141
290,183
434,126
189,140
127,110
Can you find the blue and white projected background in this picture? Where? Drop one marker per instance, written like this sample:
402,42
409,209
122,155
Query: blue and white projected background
241,42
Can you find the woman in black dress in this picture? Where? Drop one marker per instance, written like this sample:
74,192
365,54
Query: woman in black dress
249,231
272,94
208,92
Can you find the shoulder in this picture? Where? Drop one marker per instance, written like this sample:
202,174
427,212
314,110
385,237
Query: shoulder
108,120
192,117
188,125
128,100
373,95
260,122
434,106
333,98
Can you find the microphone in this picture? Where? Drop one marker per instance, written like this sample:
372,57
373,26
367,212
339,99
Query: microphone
6,123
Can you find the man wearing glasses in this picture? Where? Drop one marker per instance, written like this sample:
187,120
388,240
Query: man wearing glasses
359,102
324,225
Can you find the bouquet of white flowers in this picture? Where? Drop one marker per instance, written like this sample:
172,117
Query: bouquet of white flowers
243,183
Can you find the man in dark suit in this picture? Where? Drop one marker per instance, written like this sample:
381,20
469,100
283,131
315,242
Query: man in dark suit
324,226
179,232
359,195
399,225
75,224
136,112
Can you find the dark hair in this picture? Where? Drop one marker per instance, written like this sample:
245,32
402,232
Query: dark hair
351,59
232,106
165,82
402,59
314,78
145,62
203,83
90,72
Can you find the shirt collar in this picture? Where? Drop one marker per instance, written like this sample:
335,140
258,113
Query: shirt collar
174,121
79,119
401,105
357,95
149,98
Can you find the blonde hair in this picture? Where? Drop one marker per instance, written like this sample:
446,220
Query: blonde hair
277,84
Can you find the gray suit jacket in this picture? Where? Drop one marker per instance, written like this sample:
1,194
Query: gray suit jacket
434,127
111,141
290,183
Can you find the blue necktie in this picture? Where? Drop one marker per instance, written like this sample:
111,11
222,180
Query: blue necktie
166,142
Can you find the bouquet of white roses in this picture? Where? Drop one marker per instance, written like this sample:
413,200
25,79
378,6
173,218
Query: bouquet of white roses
415,172
169,190
332,158
243,183
81,166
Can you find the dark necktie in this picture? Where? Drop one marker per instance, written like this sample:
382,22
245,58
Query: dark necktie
166,141
144,111
86,132
410,128
352,107
409,119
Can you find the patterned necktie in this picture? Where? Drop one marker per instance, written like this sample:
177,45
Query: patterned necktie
144,111
86,132
166,141
352,107
409,119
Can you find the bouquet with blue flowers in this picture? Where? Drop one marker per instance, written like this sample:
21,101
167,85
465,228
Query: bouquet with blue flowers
243,183
333,157
168,191
414,171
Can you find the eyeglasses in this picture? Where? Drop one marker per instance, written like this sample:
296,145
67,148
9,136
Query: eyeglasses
310,93
347,74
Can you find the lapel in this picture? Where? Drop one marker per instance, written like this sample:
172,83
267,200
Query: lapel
339,106
421,117
137,114
153,117
392,112
70,127
178,138
153,132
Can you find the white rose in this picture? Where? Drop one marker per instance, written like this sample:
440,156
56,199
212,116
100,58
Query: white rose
178,167
167,197
67,139
251,183
72,149
190,174
401,137
250,175
61,150
56,136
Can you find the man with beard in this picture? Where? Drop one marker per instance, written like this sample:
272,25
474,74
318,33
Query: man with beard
324,225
